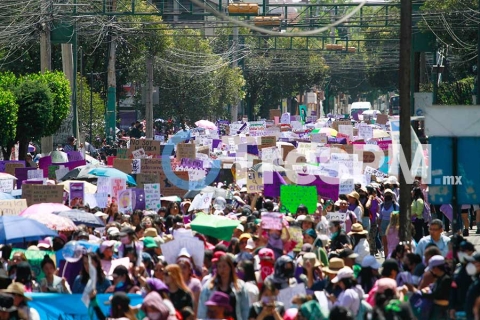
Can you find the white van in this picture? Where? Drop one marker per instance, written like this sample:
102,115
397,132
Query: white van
360,107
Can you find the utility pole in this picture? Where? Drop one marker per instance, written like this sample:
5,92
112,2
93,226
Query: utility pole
405,101
478,62
110,120
234,110
149,97
46,65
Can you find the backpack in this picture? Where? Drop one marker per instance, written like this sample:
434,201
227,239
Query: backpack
427,214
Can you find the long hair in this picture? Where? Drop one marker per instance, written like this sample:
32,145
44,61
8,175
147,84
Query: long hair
366,277
394,221
175,273
248,271
417,193
233,276
84,273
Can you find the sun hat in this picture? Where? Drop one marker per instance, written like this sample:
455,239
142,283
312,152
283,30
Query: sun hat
245,236
370,262
45,243
388,191
308,218
435,261
309,256
392,180
219,299
357,228
300,218
354,194
344,273
334,266
17,288
150,232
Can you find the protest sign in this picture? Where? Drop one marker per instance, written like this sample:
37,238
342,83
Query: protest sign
346,186
151,147
272,220
3,166
39,193
77,194
337,123
327,187
254,182
125,201
151,166
152,196
34,174
194,246
144,178
268,141
169,187
12,207
382,119
274,113
124,165
286,295
6,185
337,216
285,118
136,166
10,166
122,153
369,171
138,154
117,185
101,200
51,172
365,132
292,196
319,138
201,201
256,128
186,150
21,174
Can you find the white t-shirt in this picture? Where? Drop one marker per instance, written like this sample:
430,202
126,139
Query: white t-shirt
349,299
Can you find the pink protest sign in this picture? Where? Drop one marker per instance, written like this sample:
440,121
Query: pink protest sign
272,220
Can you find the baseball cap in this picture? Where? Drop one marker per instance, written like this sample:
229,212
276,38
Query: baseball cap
435,261
240,227
250,244
245,236
106,244
126,231
386,283
344,273
217,255
113,231
370,262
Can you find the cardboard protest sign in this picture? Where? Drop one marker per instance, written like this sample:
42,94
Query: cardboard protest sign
124,165
12,207
12,165
254,182
272,220
337,123
274,113
39,193
6,185
268,141
151,166
152,196
292,196
382,118
3,165
144,178
186,150
151,147
168,187
122,153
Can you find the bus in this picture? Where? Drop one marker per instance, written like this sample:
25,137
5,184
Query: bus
394,106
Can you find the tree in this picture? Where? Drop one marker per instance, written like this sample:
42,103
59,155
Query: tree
35,112
8,114
98,110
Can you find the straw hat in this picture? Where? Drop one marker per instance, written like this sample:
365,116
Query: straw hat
334,265
357,228
17,288
309,256
354,194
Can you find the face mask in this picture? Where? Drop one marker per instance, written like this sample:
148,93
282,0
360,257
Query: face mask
120,284
462,257
275,236
125,240
154,315
471,269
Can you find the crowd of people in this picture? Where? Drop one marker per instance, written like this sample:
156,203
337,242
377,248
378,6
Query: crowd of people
432,277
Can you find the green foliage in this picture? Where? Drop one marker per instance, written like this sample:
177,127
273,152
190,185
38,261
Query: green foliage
35,110
60,90
98,110
8,116
454,93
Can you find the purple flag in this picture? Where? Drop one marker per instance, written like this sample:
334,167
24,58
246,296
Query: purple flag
4,162
327,187
272,182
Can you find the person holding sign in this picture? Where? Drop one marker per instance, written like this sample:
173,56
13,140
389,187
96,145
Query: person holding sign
339,240
268,308
275,240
